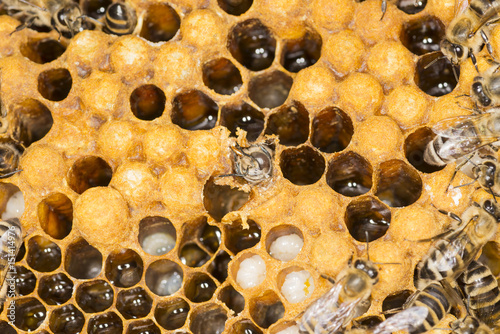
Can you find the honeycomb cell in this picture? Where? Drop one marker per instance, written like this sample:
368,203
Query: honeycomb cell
235,7
302,166
367,322
394,302
5,328
32,121
21,253
239,238
108,323
423,35
192,255
436,79
95,8
411,6
218,267
55,214
89,172
147,102
250,271
332,130
284,242
29,314
245,326
161,23
124,268
55,289
95,296
200,288
290,123
222,76
220,200
157,235
194,110
245,117
210,237
296,284
365,216
208,320
25,281
143,327
172,314
302,52
349,174
344,51
266,309
42,51
415,145
43,254
66,320
398,184
232,298
164,277
55,84
252,44
82,261
270,90
134,303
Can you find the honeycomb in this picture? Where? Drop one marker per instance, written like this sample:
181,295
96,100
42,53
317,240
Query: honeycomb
129,227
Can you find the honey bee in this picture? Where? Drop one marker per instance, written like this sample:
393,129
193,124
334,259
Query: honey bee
10,154
11,239
469,325
120,19
253,163
455,249
485,90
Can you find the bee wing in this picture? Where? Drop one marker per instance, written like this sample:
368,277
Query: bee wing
335,321
459,126
407,320
460,6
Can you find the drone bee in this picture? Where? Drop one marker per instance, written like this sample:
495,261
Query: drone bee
11,239
253,163
120,19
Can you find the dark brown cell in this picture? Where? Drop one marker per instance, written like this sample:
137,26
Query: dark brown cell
147,102
25,281
192,255
95,8
172,314
368,322
31,121
235,7
21,253
164,277
143,327
208,320
332,130
95,296
222,76
5,328
349,175
367,215
245,326
436,79
302,166
302,52
415,145
55,214
42,51
218,267
398,184
252,44
161,23
110,322
220,200
200,288
270,90
290,124
239,238
266,309
55,84
232,298
43,254
55,289
82,260
423,35
394,302
210,237
29,314
157,235
124,268
245,117
194,110
134,303
89,172
411,6
66,320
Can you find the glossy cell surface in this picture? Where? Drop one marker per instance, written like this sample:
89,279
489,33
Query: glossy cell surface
55,289
43,254
172,314
95,296
124,268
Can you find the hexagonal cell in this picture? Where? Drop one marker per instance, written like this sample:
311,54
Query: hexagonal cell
332,130
124,268
210,237
110,322
95,296
134,303
147,102
157,235
239,238
172,314
302,166
42,51
266,309
290,124
200,288
55,84
143,327
398,184
252,44
295,284
249,270
30,314
220,200
82,260
25,280
411,6
395,301
367,215
194,110
5,328
55,214
21,253
284,242
210,319
30,122
302,52
89,172
95,8
235,7
43,254
164,277
192,255
423,35
490,256
438,78
349,174
270,90
222,76
232,298
245,117
415,145
66,320
245,326
368,322
218,267
161,23
55,289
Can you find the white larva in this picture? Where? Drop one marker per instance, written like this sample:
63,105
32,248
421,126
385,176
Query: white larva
290,330
252,272
14,207
286,247
298,286
169,284
158,243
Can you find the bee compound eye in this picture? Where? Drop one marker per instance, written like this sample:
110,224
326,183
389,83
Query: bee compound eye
459,50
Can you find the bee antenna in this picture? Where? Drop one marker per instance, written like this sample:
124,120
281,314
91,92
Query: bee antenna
434,61
454,70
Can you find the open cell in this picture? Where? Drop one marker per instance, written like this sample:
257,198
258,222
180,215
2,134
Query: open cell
43,254
239,238
147,102
368,322
302,166
172,314
5,328
245,117
11,200
398,184
55,289
143,327
210,319
395,301
436,79
249,271
55,84
235,7
222,76
194,110
367,217
55,214
161,23
423,35
210,237
30,314
157,235
95,8
192,255
302,52
110,321
411,6
232,298
296,284
270,90
42,51
95,296
218,267
220,200
200,288
284,242
266,309
89,172
31,120
332,130
83,261
134,303
349,174
245,326
25,281
66,320
164,277
290,124
124,268
415,145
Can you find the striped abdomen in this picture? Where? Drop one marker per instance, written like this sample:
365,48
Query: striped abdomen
120,19
484,8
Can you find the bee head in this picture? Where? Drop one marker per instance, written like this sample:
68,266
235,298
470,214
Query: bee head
454,52
478,92
486,174
368,268
492,208
65,19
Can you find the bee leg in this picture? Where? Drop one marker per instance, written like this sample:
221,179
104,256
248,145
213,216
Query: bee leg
466,184
487,42
10,174
328,278
474,61
384,9
29,22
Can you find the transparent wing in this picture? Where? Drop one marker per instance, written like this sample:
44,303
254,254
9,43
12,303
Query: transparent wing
321,308
335,321
408,320
460,126
460,6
